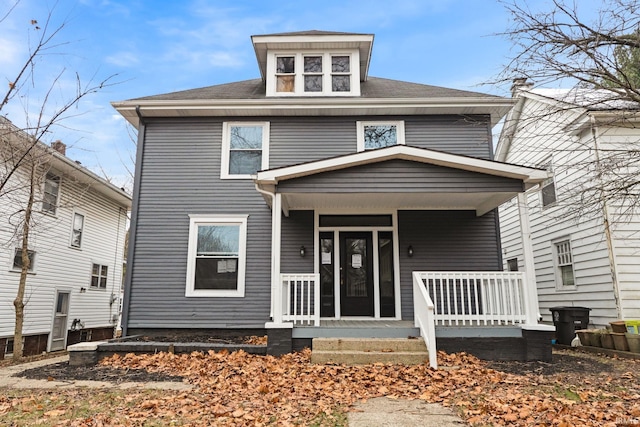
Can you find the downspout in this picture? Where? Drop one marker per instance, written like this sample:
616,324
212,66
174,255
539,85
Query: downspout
272,196
112,297
142,130
607,226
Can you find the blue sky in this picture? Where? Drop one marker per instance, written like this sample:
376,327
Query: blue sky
158,46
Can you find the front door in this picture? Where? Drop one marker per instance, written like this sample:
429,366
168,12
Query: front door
59,332
356,274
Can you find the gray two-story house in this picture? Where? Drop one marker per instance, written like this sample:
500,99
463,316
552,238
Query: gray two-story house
319,201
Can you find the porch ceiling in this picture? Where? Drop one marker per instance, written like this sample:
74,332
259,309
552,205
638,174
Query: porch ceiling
479,202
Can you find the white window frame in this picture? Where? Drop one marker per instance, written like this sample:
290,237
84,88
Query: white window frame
557,264
100,276
354,72
548,165
73,220
226,148
194,222
49,177
32,265
399,124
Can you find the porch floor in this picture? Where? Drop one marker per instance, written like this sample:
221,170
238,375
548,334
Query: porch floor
380,328
356,328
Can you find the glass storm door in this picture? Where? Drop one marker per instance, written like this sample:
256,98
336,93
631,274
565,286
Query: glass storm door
356,274
59,332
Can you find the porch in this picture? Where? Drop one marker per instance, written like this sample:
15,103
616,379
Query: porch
489,313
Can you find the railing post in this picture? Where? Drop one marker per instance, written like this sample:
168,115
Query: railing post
275,248
531,289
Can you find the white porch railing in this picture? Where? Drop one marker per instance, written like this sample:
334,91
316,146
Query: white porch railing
423,309
476,298
301,298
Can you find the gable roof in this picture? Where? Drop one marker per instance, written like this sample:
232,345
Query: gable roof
481,200
529,176
63,164
585,103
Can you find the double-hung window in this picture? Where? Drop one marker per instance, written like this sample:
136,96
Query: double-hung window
51,191
216,256
245,149
99,276
565,279
372,135
77,228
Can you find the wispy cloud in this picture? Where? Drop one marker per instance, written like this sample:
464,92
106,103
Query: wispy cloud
123,59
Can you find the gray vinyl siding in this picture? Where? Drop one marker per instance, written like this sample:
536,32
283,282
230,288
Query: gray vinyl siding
445,241
297,230
297,140
181,176
400,176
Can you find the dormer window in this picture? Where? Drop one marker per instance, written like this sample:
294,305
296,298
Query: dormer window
313,74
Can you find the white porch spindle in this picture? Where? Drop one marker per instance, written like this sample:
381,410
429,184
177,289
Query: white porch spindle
476,298
300,303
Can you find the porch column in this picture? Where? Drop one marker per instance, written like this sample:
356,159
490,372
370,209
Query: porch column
531,291
276,233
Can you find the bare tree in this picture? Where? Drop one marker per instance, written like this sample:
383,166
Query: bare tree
595,53
25,156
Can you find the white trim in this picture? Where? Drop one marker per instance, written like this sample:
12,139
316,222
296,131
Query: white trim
44,186
84,221
226,148
100,264
53,316
194,221
32,265
360,125
376,271
354,72
529,176
560,287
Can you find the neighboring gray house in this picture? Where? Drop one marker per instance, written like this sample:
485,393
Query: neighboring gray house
318,201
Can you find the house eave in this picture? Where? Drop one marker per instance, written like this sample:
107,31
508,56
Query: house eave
496,108
262,44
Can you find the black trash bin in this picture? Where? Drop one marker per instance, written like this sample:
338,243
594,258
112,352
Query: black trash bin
567,321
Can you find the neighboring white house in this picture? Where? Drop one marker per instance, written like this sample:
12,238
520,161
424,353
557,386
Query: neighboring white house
76,246
587,253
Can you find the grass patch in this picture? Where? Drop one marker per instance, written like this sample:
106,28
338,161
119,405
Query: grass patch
54,407
337,418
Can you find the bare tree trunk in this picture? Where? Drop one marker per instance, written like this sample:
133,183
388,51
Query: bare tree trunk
18,303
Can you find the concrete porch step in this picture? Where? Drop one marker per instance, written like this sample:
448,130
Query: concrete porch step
360,351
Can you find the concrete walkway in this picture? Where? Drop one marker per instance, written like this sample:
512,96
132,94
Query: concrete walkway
381,411
385,412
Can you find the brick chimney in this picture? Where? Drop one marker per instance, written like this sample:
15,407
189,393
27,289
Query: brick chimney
60,147
520,84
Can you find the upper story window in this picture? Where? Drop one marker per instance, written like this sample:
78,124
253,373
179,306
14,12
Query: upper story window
372,135
99,276
51,191
77,229
548,187
17,260
313,74
245,149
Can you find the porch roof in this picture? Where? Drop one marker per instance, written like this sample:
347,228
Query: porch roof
364,193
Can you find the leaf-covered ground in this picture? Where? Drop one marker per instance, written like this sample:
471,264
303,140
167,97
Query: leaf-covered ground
241,389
